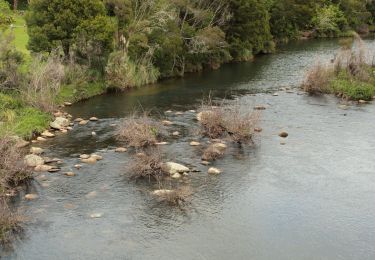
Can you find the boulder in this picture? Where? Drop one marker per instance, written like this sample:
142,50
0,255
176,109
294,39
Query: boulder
78,120
36,150
194,143
54,169
42,139
20,143
33,160
78,166
214,171
173,168
67,104
59,123
93,118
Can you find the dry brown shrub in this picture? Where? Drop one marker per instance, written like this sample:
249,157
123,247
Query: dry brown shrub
317,79
13,171
212,153
147,165
177,196
10,222
139,131
240,123
229,120
44,82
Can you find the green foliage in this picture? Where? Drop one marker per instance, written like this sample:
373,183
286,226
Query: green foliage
248,31
19,119
52,23
329,21
122,72
5,14
352,88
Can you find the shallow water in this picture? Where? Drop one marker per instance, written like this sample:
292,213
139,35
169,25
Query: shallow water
308,199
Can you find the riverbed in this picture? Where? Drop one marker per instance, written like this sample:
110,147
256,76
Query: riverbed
308,196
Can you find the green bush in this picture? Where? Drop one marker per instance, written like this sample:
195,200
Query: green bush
122,73
353,89
329,21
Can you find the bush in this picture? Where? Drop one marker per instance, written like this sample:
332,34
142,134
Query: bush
122,73
317,79
10,60
353,89
147,165
5,14
212,153
330,21
139,131
10,222
44,82
13,171
175,197
228,121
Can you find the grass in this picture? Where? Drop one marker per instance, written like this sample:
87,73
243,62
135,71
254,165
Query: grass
72,93
20,119
352,89
19,31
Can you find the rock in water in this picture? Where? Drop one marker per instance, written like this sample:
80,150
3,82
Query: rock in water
194,143
120,150
47,134
176,175
173,168
31,196
214,171
161,192
84,156
93,118
43,168
70,174
33,160
36,150
59,123
90,160
284,134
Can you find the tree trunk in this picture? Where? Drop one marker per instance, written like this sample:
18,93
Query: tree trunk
15,5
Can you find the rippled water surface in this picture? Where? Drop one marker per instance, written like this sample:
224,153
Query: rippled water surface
311,198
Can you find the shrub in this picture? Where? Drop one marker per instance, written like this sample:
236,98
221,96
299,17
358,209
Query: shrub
353,89
329,21
122,72
13,171
5,14
44,82
317,79
147,165
10,60
139,131
212,153
10,222
228,121
175,197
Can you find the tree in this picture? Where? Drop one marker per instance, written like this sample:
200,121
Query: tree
248,32
52,23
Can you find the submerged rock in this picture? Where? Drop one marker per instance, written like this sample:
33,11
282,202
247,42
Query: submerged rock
33,160
59,123
173,168
214,171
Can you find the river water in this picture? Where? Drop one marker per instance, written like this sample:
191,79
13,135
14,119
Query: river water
308,199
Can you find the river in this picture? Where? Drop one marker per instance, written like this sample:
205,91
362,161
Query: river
308,199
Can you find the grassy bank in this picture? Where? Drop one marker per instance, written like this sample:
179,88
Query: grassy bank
348,76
